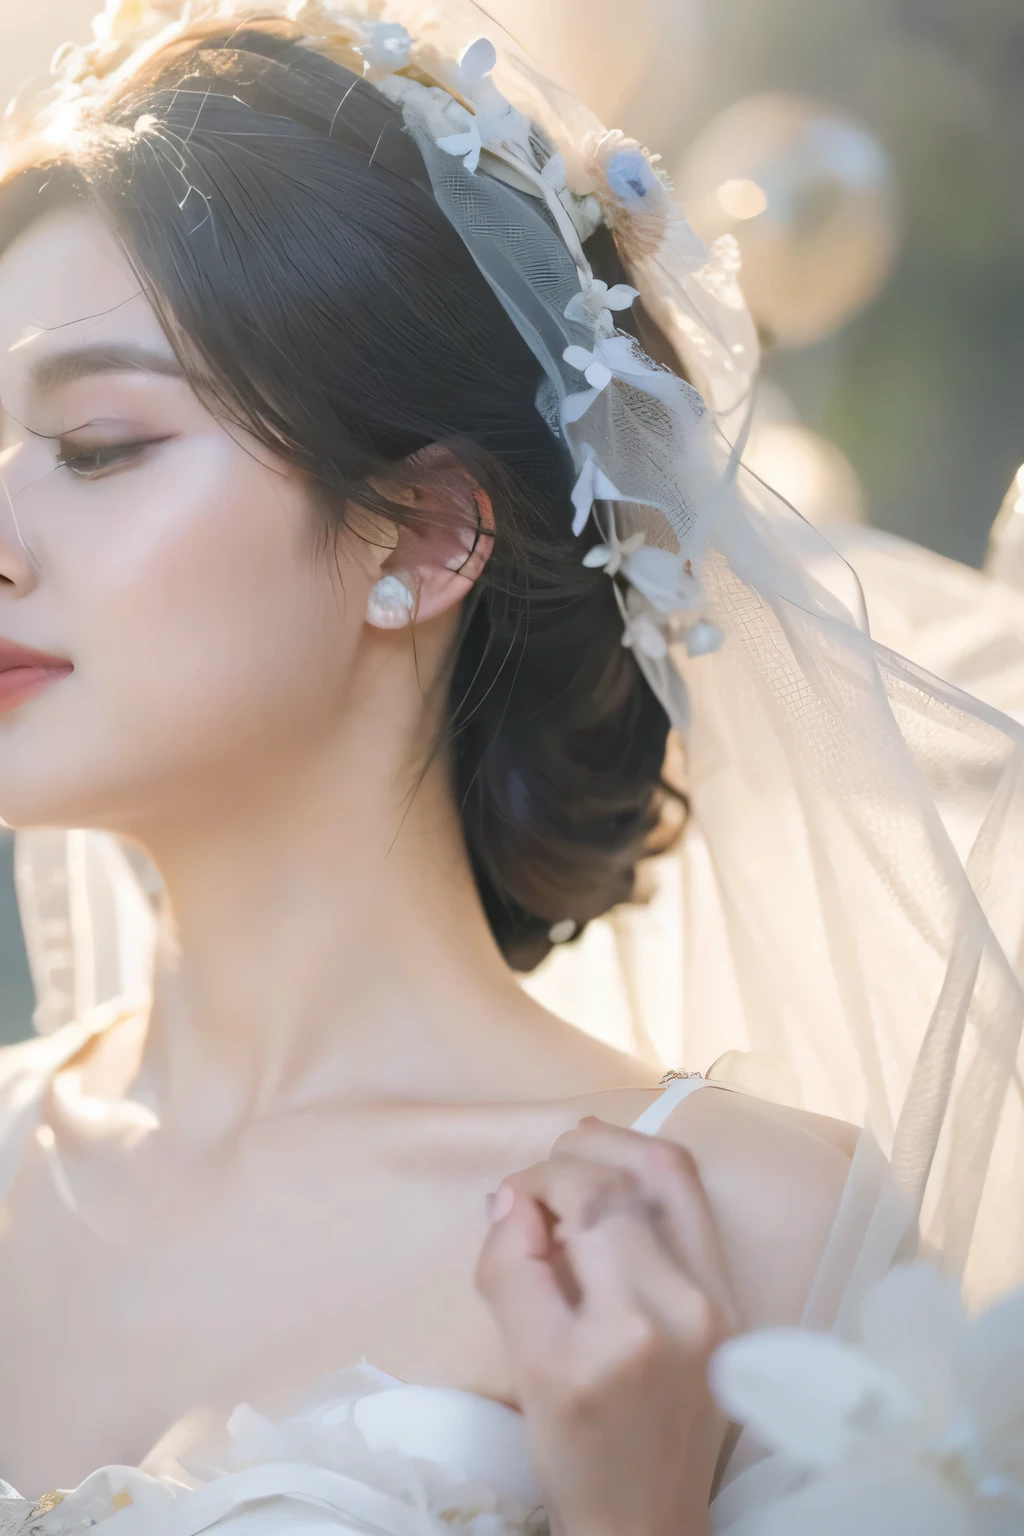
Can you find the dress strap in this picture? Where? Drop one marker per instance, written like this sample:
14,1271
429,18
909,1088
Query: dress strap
680,1086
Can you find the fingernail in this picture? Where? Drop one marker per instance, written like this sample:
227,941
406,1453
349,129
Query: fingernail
500,1203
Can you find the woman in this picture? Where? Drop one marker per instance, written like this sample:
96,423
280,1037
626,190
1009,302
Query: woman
313,398
297,609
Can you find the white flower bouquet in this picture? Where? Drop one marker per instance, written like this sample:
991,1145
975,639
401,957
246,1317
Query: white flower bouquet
917,1430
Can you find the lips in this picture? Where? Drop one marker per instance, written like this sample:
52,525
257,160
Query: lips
24,673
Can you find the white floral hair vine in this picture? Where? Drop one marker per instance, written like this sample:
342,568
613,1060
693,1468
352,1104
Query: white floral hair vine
635,430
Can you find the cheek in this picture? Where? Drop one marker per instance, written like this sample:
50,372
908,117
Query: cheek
201,612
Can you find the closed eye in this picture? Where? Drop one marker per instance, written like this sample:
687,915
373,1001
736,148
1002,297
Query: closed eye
93,463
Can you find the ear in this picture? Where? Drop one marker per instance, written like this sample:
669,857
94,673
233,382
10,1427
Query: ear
448,540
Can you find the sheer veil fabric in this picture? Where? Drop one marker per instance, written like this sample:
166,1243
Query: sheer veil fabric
848,899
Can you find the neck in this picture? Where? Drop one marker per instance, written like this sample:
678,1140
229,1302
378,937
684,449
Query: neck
328,941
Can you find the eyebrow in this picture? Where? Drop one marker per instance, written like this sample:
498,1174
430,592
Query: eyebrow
63,368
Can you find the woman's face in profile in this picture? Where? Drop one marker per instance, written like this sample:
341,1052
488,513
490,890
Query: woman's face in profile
172,570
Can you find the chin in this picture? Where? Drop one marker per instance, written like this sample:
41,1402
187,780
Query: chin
40,757
58,786
46,806
68,760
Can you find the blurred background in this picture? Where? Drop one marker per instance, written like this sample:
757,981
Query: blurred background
868,161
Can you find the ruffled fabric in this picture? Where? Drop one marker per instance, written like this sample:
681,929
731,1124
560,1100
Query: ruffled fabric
374,1457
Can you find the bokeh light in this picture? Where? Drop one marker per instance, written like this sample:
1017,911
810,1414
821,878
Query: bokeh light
810,196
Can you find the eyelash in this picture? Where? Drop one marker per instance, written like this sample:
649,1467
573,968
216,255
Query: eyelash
93,463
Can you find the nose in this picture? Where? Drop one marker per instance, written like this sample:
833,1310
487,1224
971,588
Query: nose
19,572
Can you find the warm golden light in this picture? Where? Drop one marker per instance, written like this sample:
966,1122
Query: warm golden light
742,198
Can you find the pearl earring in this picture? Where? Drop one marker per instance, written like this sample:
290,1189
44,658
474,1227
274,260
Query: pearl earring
392,602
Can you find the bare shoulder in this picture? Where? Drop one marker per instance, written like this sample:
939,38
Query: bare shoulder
775,1177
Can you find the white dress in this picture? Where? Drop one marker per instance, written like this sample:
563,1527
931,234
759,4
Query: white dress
372,1454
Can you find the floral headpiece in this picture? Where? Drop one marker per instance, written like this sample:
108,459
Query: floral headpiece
638,434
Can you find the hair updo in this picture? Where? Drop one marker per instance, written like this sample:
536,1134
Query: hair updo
317,295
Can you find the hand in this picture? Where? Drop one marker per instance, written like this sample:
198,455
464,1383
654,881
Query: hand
604,1271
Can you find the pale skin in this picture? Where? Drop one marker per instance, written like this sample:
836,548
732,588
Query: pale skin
285,1168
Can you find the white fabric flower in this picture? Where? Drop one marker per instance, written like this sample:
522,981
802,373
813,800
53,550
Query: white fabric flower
494,123
476,62
612,356
597,373
430,106
466,143
593,485
499,125
610,557
385,45
642,632
596,299
663,579
919,1431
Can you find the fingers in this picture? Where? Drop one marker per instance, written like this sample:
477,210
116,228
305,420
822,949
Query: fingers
687,1223
612,1376
607,1254
623,1270
666,1175
516,1278
614,1224
575,1191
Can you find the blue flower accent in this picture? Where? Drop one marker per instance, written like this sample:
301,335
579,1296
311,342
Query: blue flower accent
630,177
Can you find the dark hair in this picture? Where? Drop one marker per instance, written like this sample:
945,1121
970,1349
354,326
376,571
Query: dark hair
282,223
